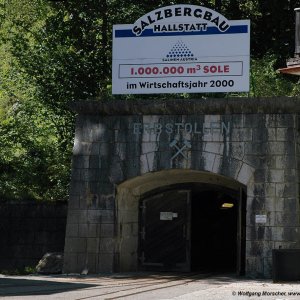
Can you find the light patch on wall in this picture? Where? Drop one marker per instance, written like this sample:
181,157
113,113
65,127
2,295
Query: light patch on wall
97,131
76,149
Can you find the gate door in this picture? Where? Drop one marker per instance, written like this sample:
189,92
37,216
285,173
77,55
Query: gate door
165,231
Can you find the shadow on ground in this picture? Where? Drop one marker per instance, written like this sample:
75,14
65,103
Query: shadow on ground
132,283
27,287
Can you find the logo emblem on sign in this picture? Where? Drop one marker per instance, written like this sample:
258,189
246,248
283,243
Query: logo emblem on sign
180,50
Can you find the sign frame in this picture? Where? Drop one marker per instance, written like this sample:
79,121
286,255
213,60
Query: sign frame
181,49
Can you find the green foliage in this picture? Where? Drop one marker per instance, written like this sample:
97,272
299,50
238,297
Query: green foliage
266,82
32,166
36,132
56,52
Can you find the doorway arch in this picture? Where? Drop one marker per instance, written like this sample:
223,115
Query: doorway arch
131,192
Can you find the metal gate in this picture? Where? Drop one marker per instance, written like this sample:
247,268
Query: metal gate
165,231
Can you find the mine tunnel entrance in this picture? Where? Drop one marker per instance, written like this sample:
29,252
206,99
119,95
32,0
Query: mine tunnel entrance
193,227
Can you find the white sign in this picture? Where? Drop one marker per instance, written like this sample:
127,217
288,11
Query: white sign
181,49
166,216
260,219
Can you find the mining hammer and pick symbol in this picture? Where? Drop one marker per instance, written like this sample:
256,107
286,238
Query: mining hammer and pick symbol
186,144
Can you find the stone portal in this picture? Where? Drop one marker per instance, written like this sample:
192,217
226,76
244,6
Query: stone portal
125,151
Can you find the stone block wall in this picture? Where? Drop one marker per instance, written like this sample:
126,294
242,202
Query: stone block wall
28,230
256,144
273,191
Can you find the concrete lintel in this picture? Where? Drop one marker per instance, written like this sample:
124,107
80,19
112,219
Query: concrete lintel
275,105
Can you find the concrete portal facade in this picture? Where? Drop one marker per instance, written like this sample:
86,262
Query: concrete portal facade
126,149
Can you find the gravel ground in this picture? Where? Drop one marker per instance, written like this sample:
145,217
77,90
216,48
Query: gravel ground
144,286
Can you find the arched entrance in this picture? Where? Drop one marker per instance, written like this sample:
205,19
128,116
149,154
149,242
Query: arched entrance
181,220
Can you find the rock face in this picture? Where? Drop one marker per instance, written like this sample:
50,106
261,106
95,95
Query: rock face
51,263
